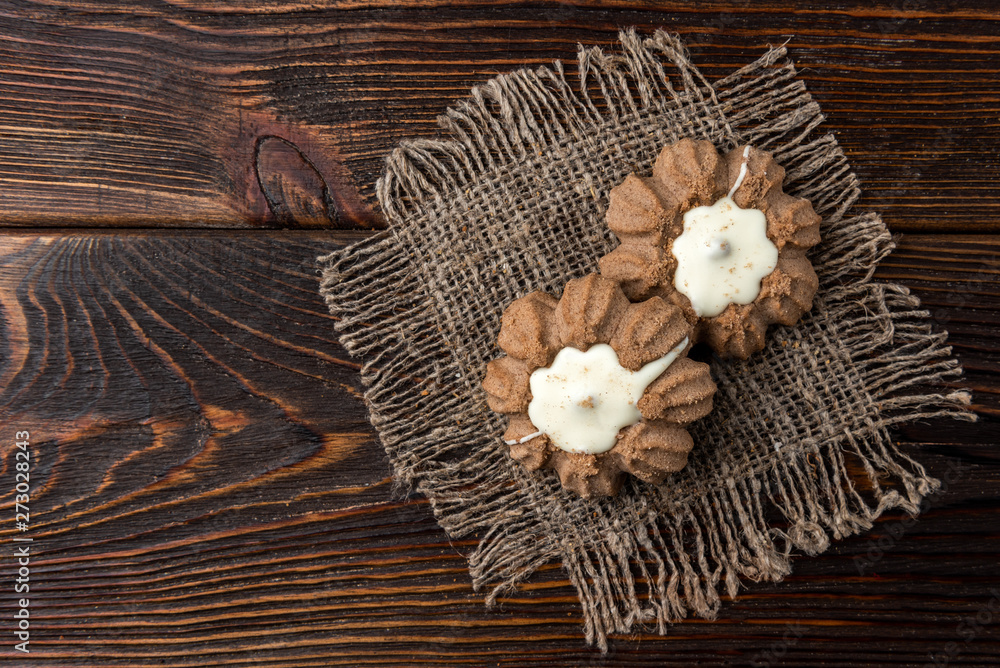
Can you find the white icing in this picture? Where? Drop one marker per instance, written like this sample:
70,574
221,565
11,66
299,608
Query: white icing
523,439
722,255
584,399
743,173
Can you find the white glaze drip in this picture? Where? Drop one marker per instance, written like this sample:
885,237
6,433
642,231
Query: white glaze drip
743,173
525,439
584,399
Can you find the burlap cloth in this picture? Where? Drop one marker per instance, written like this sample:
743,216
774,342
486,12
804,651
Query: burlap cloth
512,199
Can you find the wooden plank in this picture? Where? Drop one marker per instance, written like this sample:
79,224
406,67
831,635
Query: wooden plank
173,379
279,114
206,489
957,279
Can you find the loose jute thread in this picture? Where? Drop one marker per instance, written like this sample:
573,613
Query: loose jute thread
513,200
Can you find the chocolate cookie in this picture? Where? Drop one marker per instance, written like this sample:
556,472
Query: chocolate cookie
596,386
717,237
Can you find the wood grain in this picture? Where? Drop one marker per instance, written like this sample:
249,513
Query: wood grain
278,114
170,380
207,490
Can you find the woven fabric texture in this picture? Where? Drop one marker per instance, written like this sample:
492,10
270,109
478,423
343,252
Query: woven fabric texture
511,200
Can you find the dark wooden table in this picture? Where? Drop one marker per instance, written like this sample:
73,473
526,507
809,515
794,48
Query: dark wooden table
205,488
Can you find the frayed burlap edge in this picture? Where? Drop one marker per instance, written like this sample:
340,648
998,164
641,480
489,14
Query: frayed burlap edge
512,200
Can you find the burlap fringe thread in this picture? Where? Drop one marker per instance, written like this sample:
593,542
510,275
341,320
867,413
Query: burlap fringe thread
512,201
